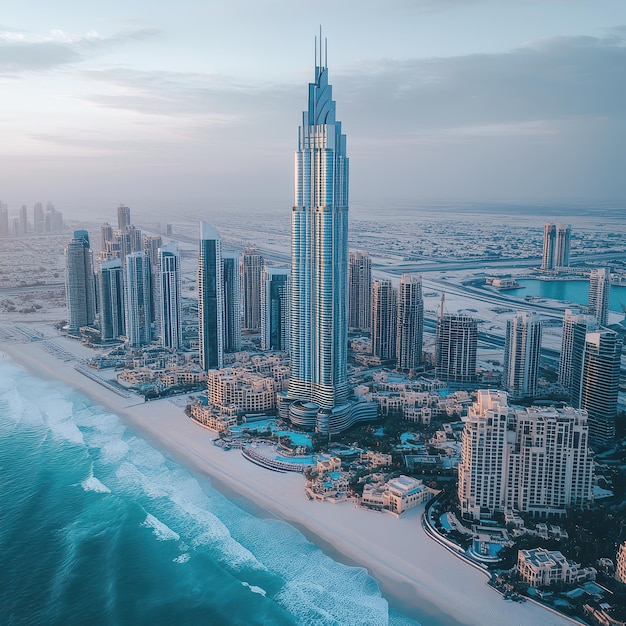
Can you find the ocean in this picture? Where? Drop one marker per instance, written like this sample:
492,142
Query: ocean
97,526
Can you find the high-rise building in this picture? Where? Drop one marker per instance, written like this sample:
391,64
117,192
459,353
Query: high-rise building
210,298
384,319
534,460
549,240
250,272
359,291
562,245
522,349
111,309
410,323
232,302
275,309
456,340
138,299
106,242
151,245
80,288
123,217
169,296
571,320
599,292
319,270
595,381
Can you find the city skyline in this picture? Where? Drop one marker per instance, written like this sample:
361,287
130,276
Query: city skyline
139,104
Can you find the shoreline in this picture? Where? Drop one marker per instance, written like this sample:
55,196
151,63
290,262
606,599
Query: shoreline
419,578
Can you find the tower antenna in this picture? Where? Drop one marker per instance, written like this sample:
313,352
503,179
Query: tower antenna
315,39
321,58
325,51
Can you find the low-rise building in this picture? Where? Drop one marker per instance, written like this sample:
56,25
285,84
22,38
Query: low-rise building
397,495
542,568
212,418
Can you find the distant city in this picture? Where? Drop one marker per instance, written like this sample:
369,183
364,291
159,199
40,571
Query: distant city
365,370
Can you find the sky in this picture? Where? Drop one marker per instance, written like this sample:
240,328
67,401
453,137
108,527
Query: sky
197,104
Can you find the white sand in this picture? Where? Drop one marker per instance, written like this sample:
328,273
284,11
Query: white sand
416,573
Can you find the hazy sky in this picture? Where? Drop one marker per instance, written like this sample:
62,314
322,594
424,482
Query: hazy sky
197,102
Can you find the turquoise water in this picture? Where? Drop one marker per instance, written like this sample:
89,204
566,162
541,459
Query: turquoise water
573,290
99,527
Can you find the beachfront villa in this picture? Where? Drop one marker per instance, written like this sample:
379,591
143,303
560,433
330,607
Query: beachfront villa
245,391
397,495
543,568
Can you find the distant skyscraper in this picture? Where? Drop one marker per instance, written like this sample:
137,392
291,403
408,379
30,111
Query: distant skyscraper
561,249
595,381
549,241
599,292
138,300
123,217
319,270
456,341
359,291
38,218
24,220
111,309
384,319
571,320
250,272
210,298
169,296
4,220
79,282
151,245
522,348
275,309
232,303
410,323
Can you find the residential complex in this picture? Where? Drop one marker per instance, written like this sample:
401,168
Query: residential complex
384,319
544,568
169,296
275,309
410,323
599,291
251,269
533,460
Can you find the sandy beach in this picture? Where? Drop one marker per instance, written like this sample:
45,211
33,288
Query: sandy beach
417,575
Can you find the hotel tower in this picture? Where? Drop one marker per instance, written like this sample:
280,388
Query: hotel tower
319,268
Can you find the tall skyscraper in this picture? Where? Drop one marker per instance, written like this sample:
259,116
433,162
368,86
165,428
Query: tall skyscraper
599,292
151,245
595,381
138,300
232,302
251,271
169,296
275,309
562,246
456,340
123,217
410,323
522,348
210,298
111,309
384,319
534,460
106,242
319,270
571,320
549,240
359,291
80,288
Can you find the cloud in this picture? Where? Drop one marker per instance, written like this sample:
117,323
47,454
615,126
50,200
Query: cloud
23,52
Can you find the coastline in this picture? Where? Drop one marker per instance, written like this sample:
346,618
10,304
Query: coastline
418,576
